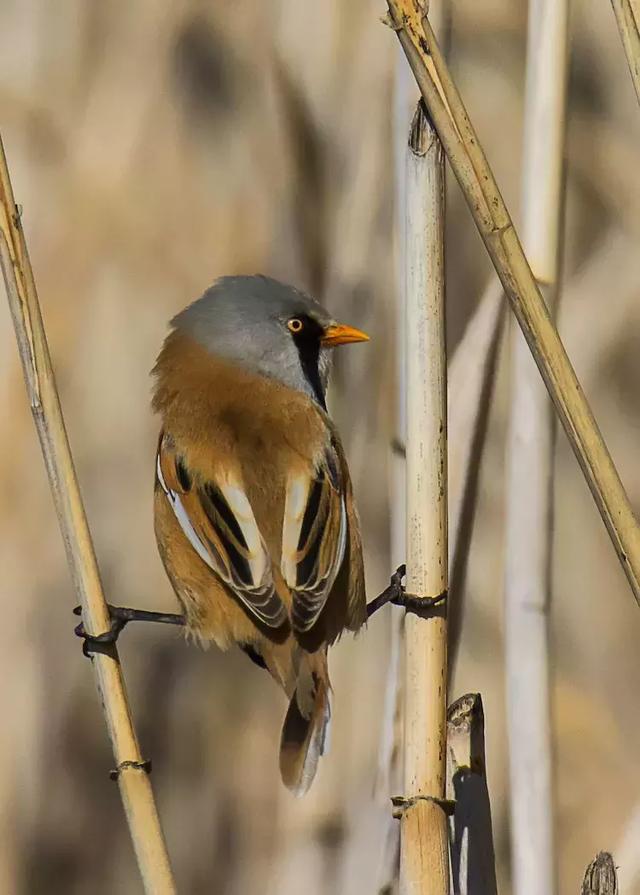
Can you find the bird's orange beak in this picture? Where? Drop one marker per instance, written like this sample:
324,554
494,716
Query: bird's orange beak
340,334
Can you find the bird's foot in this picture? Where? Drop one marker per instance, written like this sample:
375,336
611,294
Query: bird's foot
391,594
396,594
119,617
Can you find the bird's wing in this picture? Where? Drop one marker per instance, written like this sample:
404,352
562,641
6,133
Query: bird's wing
353,567
314,538
217,519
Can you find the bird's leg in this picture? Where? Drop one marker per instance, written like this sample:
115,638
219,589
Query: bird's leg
119,617
397,595
390,594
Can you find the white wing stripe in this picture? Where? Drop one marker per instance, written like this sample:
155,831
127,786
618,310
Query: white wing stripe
311,596
241,508
295,504
183,519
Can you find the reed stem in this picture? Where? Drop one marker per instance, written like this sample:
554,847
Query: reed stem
492,219
132,775
627,14
424,858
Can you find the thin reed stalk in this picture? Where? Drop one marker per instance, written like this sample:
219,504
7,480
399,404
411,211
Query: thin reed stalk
424,859
492,219
529,498
131,769
470,388
628,18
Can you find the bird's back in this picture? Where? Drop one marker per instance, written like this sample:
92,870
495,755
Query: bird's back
254,513
222,417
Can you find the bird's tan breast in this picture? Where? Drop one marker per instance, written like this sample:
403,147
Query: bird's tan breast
223,418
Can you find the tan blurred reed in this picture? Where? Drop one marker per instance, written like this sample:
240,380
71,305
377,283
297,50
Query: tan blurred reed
530,467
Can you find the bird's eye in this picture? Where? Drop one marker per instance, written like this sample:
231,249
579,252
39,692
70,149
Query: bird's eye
295,325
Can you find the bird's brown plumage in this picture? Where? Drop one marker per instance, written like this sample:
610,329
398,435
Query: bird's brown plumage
226,433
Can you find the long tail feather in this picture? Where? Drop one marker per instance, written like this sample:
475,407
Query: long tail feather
305,729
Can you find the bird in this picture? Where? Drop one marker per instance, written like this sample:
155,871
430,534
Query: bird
254,513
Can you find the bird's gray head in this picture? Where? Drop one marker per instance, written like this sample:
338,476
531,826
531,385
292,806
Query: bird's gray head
269,328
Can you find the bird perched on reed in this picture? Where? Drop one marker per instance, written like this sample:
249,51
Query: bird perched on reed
254,512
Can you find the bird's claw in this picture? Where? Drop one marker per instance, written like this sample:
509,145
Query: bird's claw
120,616
397,587
411,602
95,643
393,593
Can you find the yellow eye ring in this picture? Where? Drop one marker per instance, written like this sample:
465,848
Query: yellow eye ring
295,325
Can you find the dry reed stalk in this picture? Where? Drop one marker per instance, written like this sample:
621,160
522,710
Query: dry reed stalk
424,864
628,18
492,219
600,877
470,387
131,770
471,829
529,498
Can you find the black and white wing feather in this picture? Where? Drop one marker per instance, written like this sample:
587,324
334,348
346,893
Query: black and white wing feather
218,521
314,539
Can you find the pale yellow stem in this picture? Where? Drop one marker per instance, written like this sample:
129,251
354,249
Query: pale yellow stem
424,865
133,779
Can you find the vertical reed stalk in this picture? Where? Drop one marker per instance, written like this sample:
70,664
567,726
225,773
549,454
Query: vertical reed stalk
494,224
529,510
132,776
424,859
628,18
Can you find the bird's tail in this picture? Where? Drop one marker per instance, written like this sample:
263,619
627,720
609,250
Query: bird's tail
306,724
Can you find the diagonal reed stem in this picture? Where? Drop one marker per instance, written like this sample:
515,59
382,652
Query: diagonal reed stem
492,219
628,18
132,776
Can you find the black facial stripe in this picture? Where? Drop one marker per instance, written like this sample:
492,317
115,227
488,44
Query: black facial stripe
307,341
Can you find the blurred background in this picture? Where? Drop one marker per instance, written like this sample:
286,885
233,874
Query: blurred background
153,147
